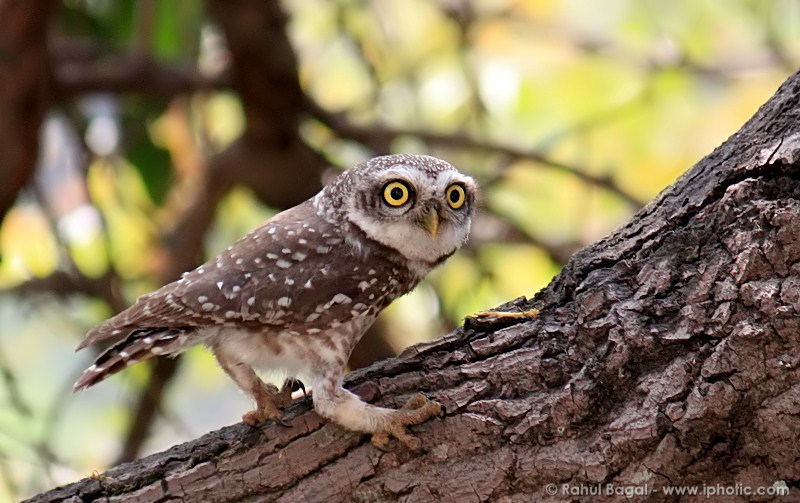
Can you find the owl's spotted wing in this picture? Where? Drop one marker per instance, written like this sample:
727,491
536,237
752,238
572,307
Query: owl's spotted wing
207,294
288,274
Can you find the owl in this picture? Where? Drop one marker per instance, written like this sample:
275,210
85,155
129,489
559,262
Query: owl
294,296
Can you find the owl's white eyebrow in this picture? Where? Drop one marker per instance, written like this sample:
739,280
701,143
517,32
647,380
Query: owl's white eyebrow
396,172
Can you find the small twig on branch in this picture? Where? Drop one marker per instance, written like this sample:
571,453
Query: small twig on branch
377,135
130,74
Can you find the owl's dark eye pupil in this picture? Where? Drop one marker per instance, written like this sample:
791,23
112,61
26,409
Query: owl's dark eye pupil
397,193
454,196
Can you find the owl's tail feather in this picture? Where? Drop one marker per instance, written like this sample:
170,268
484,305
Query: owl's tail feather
140,345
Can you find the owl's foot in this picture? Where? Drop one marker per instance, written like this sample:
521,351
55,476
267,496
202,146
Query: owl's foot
530,313
416,410
269,402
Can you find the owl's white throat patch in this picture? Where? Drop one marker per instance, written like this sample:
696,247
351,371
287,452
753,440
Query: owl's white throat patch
409,239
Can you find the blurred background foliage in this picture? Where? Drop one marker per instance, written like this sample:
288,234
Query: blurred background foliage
571,114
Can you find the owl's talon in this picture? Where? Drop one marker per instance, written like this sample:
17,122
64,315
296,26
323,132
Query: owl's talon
381,440
294,385
251,418
416,410
416,401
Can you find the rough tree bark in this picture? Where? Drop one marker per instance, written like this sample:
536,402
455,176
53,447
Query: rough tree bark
667,353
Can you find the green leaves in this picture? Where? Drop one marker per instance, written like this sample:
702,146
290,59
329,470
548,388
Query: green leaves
154,164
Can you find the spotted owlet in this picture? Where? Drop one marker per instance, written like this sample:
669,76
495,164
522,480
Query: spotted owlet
294,296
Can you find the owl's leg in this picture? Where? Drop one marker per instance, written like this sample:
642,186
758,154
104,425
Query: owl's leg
269,399
343,407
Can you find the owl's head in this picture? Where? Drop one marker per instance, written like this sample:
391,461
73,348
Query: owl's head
418,205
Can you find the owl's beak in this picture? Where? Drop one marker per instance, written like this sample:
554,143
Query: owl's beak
430,221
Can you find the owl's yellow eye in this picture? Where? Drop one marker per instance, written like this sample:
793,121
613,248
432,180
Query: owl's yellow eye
396,193
456,197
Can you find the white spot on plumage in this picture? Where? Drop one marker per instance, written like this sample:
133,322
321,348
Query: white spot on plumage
286,251
257,260
284,301
239,261
202,299
289,281
363,286
157,350
148,341
308,284
371,272
302,241
323,249
341,298
271,230
251,301
311,317
124,355
283,264
220,284
230,314
271,256
208,306
236,289
299,256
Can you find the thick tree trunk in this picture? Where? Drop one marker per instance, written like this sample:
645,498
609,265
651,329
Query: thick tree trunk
24,86
666,354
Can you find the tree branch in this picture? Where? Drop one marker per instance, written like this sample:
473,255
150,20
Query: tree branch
131,73
24,91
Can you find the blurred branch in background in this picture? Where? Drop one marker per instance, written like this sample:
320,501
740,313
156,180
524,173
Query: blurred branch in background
138,138
24,91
